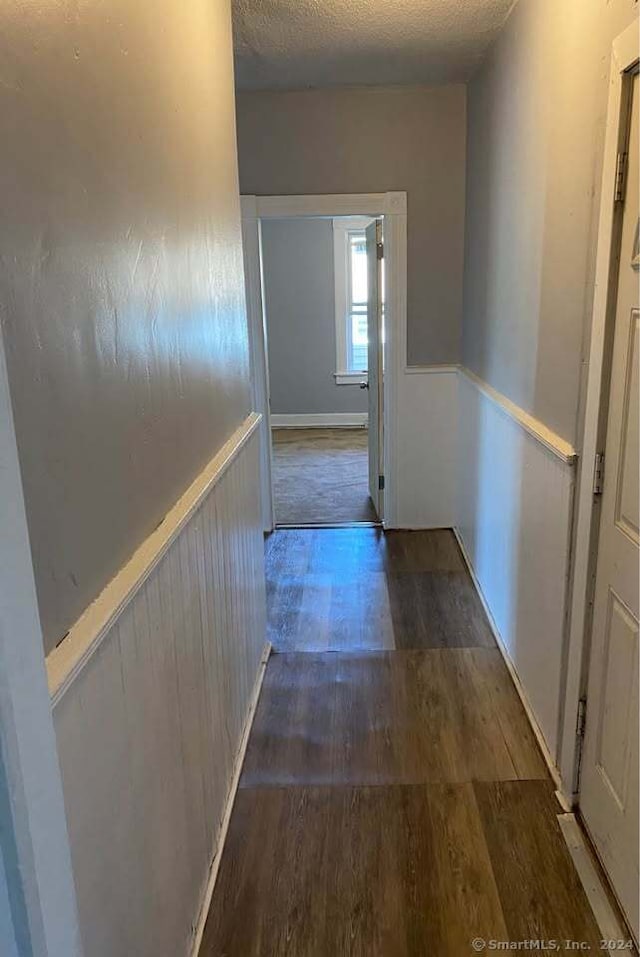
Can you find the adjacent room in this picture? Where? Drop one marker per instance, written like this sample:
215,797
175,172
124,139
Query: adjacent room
315,295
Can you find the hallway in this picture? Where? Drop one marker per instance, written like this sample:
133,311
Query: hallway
393,799
319,269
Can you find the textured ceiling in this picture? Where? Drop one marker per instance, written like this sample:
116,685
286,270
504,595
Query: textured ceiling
296,44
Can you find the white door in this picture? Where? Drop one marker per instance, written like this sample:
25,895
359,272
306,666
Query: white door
609,779
375,361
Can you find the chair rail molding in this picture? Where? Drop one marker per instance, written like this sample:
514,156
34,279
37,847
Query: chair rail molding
558,446
83,639
153,694
513,516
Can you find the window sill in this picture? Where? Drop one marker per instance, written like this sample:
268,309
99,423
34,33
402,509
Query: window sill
350,378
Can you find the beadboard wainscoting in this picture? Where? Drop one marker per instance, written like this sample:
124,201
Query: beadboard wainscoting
153,690
515,499
424,445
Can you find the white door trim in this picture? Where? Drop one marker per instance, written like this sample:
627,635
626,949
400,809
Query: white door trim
35,846
624,57
328,205
393,206
258,351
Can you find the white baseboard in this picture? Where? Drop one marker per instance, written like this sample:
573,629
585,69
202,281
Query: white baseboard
535,727
594,883
321,420
203,913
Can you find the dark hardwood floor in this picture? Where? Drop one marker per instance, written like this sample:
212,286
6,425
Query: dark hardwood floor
403,717
395,872
359,588
393,800
321,476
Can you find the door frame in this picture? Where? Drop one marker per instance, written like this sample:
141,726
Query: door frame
625,56
37,891
393,207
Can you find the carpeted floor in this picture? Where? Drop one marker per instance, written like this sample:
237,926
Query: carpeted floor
321,476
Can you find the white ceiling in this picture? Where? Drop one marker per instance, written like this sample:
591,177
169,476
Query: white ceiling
296,44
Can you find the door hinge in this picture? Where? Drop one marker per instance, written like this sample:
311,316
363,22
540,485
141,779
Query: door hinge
380,250
621,178
581,718
598,474
381,483
581,724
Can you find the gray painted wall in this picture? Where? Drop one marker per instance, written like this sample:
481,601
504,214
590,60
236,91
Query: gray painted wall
120,265
373,140
536,113
299,306
12,908
8,944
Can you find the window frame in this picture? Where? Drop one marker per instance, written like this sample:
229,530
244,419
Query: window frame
342,229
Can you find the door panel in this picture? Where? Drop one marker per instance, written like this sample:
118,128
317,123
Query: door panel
627,495
375,360
619,687
609,784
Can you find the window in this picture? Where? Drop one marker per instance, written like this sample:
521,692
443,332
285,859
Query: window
350,271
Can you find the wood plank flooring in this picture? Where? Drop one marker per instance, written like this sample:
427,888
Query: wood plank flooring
339,589
394,872
404,717
321,476
393,800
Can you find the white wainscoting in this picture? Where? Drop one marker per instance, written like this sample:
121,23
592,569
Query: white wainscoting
425,448
515,494
151,699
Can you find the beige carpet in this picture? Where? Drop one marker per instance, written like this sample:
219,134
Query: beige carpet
321,476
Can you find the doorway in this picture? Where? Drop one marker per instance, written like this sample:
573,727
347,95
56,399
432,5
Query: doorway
609,779
318,279
599,755
317,289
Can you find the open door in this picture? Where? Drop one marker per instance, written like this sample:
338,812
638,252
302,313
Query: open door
375,265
